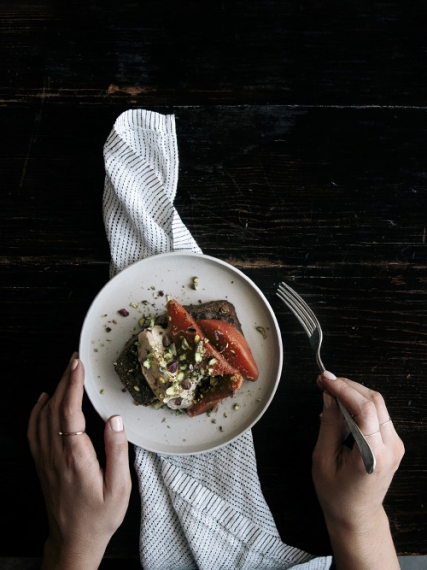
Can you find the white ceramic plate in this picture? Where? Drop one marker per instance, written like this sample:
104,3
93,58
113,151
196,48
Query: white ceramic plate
105,333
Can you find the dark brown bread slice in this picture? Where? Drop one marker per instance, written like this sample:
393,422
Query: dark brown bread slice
129,370
221,310
128,367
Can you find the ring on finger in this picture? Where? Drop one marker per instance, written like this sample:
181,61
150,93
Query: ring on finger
371,434
71,432
378,431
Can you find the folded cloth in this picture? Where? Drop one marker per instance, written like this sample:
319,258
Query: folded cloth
204,511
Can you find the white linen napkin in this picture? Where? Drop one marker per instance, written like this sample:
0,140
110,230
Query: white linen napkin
203,511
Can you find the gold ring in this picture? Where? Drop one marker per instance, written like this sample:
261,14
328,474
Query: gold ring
371,434
71,432
388,421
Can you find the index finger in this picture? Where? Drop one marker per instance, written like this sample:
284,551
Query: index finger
366,406
371,395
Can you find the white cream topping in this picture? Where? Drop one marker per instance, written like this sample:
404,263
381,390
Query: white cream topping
163,369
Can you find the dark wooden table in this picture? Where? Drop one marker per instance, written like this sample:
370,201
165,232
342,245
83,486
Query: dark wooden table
302,134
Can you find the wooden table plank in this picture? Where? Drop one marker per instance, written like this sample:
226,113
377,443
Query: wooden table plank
188,53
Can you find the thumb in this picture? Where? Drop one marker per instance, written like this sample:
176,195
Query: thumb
117,473
331,431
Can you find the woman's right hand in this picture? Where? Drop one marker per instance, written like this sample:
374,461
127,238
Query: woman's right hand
351,499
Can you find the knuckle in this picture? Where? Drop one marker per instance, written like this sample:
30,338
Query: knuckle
399,451
368,410
66,410
345,389
377,399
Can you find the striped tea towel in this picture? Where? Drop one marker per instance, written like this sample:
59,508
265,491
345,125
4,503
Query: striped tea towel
202,511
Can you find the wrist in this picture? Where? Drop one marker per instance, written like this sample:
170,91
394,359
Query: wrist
366,545
356,524
81,555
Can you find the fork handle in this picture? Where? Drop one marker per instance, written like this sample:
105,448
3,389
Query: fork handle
364,447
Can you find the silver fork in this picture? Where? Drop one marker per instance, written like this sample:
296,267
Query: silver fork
314,332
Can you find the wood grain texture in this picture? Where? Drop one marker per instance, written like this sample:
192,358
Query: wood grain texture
165,52
302,144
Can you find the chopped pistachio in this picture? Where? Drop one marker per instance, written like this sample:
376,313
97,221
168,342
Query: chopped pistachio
262,331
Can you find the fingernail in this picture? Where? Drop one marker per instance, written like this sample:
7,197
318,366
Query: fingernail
74,364
74,355
329,375
42,396
116,423
327,400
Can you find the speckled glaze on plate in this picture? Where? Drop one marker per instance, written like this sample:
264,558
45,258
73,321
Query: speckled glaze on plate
142,289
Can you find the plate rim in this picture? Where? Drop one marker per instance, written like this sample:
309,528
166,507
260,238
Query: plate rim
251,284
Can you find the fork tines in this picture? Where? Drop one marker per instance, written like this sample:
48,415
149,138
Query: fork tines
299,307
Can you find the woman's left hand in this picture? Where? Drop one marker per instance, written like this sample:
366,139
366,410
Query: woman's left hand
85,504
